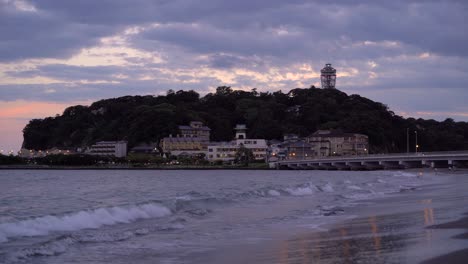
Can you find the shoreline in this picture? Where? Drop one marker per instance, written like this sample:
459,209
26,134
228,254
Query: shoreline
458,256
127,168
422,226
47,167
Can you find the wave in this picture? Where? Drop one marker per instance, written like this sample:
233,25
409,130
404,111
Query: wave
59,245
305,189
81,220
404,174
354,187
328,187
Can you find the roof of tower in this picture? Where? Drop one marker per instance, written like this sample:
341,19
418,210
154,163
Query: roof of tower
328,69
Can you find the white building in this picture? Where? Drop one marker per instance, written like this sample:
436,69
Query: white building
109,148
226,151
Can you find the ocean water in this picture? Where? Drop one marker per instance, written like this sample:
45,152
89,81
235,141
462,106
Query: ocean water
132,216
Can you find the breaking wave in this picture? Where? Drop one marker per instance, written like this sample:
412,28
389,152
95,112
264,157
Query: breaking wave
81,220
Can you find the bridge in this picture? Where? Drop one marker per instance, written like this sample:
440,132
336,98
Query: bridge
447,159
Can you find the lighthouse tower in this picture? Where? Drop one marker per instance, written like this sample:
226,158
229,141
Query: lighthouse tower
241,131
328,76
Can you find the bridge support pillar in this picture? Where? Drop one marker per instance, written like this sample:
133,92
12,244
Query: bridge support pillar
303,166
459,164
440,164
411,164
341,165
327,166
390,165
313,165
355,165
372,165
292,166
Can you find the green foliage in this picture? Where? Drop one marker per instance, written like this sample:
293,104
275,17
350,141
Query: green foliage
11,160
142,158
243,156
140,119
69,160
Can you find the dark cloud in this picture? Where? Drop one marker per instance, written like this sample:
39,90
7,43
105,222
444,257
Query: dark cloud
61,28
255,36
42,34
70,73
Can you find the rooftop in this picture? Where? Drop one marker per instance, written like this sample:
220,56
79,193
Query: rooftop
184,139
333,133
205,128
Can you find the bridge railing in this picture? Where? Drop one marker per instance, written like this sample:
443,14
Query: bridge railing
383,155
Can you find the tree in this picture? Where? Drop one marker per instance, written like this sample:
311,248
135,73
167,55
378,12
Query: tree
140,119
243,156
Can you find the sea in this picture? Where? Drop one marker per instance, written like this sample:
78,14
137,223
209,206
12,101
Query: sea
180,216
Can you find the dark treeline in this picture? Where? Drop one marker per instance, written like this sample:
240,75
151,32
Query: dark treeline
61,160
139,119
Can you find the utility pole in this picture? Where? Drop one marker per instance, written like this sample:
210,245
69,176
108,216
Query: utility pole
416,143
303,150
407,140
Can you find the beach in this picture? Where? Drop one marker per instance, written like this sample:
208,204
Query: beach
230,216
425,225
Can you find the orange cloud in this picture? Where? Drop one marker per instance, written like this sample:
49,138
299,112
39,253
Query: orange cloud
447,114
15,115
33,109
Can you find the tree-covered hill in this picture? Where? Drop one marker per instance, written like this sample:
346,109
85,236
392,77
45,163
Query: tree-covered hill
267,115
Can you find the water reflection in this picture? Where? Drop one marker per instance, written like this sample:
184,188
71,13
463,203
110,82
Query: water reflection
428,219
375,234
368,240
361,241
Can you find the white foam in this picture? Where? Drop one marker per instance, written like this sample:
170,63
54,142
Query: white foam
299,191
327,188
273,193
184,198
47,249
81,220
404,174
354,187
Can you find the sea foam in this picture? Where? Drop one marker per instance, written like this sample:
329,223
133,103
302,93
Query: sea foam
81,220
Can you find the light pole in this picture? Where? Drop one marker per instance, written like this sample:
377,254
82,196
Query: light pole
416,142
303,154
407,140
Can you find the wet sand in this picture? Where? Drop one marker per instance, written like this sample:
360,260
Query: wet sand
460,256
426,225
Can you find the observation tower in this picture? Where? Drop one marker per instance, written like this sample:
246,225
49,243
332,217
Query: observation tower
328,76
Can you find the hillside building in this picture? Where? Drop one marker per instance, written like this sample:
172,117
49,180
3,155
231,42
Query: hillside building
109,148
186,146
143,148
192,140
195,129
337,143
226,151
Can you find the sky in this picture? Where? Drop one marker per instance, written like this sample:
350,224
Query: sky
408,54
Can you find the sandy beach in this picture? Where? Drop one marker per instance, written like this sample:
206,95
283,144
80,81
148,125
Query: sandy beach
229,216
423,225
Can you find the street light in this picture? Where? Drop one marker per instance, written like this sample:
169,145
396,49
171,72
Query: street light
407,140
303,150
416,142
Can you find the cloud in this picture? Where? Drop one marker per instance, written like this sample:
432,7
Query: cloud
409,54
